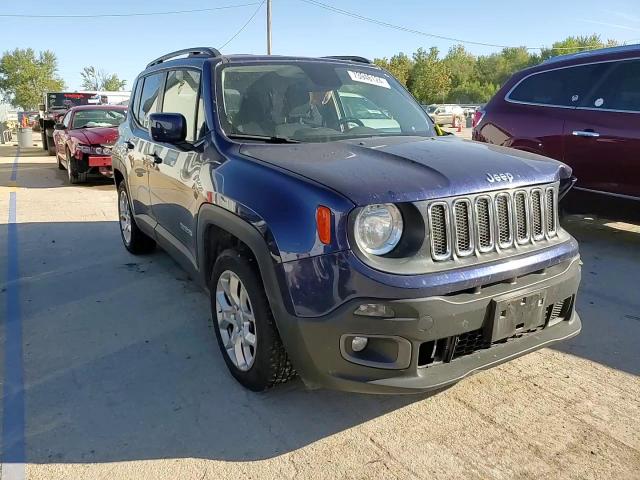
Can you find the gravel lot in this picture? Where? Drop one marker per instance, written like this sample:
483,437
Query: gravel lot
123,379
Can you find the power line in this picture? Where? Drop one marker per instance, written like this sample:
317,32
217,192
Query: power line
425,34
243,26
139,14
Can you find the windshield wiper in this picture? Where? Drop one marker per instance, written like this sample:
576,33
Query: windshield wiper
263,138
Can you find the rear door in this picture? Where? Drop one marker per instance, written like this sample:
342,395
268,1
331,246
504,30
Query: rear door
602,136
174,182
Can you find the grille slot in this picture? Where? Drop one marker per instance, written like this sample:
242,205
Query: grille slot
439,227
550,212
483,219
536,215
503,220
463,221
522,217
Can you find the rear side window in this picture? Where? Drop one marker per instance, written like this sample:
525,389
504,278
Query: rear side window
563,87
181,96
619,91
148,98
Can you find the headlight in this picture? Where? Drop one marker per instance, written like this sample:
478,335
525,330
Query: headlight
94,150
378,228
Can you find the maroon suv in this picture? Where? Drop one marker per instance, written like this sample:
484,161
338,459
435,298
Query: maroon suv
582,109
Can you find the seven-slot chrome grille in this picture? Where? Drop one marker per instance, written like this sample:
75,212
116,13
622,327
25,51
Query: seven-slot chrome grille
492,222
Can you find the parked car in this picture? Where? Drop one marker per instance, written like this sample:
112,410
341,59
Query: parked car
84,138
444,114
582,109
362,259
56,105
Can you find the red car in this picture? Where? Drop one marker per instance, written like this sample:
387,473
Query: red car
582,109
84,138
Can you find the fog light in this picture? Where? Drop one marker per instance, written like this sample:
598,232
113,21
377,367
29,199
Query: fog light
359,343
374,310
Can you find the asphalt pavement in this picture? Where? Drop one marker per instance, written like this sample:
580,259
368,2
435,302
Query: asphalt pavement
110,370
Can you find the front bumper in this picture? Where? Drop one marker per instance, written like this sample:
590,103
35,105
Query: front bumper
435,341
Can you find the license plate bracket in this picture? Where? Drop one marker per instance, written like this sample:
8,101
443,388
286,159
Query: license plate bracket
515,314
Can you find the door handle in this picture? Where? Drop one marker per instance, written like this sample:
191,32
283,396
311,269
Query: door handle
586,133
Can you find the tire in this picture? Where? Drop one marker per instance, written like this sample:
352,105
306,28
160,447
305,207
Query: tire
73,175
51,146
269,365
60,165
134,239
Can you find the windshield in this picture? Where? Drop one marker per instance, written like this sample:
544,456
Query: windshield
97,118
315,102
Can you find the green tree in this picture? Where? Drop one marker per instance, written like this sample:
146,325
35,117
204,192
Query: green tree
112,83
472,91
498,67
461,64
399,66
430,78
575,45
25,77
94,79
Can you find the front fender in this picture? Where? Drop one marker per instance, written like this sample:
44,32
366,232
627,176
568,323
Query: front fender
250,230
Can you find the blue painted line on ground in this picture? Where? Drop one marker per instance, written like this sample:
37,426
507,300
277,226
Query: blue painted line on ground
13,405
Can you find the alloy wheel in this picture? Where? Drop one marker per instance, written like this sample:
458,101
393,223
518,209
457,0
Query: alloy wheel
236,321
125,216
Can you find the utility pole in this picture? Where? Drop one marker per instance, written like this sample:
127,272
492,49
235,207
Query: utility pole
268,27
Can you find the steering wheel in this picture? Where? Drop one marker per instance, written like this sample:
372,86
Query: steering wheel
347,120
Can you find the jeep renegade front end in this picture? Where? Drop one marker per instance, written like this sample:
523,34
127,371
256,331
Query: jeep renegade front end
372,256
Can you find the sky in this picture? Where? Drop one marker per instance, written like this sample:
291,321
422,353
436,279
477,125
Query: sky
125,45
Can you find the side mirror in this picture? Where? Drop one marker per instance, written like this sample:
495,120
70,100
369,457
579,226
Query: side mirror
59,126
167,127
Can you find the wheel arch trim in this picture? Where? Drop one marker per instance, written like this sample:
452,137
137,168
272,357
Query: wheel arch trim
214,215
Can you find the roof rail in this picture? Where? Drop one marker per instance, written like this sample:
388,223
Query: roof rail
191,52
350,58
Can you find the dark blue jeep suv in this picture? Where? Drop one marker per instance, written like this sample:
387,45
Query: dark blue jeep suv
340,235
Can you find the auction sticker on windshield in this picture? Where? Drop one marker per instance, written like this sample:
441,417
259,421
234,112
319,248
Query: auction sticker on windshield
368,78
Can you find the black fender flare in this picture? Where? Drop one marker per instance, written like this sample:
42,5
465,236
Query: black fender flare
243,230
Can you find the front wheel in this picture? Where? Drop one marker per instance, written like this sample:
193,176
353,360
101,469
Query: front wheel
244,325
72,171
134,239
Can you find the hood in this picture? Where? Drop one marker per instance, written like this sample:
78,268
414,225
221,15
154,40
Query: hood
405,169
96,135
